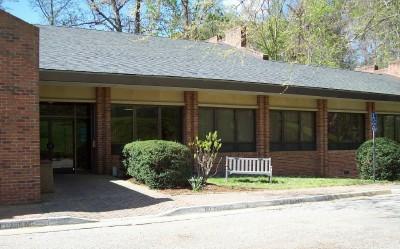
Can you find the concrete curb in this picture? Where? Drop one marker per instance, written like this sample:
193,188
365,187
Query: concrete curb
268,203
40,222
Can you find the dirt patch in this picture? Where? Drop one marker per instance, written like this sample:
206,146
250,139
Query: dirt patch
208,189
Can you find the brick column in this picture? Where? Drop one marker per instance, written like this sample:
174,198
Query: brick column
19,111
190,116
322,135
262,126
370,106
103,130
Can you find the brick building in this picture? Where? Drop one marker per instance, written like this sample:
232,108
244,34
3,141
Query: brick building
74,97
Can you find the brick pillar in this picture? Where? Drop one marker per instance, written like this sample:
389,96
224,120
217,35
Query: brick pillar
262,126
103,130
370,106
322,135
19,111
190,116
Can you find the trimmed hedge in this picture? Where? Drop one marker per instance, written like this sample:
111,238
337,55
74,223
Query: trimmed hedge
387,159
157,163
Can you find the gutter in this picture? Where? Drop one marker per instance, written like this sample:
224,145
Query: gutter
115,79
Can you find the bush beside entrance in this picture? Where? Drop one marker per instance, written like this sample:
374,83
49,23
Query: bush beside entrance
387,159
157,163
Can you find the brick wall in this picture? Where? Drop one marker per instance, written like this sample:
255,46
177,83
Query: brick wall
103,131
370,106
342,163
295,163
190,116
19,111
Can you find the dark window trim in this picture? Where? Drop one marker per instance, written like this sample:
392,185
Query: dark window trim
235,143
381,125
300,146
116,149
347,145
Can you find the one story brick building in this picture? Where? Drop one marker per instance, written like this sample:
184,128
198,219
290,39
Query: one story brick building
74,97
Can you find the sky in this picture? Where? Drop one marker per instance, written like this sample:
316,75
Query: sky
23,10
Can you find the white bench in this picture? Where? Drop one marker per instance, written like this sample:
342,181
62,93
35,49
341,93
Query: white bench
248,166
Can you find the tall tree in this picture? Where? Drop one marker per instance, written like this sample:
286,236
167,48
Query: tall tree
58,12
111,14
375,27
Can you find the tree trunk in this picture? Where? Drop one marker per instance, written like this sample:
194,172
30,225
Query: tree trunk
118,25
185,5
137,17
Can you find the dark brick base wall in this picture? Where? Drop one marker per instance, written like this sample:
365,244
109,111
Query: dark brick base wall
342,163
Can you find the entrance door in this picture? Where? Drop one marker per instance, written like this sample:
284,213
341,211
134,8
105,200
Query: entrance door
65,136
57,144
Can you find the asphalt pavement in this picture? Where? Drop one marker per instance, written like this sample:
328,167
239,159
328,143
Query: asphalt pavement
357,223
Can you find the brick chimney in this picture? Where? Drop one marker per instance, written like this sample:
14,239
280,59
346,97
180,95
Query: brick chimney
235,37
394,68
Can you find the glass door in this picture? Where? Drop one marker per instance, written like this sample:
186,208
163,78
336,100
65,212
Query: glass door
65,136
57,143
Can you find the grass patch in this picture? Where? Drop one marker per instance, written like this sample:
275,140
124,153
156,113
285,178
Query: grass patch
260,182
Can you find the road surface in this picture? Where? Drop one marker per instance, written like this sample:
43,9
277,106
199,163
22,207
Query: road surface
370,222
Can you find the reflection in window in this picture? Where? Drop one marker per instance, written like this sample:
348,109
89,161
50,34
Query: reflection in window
236,127
346,131
130,123
292,130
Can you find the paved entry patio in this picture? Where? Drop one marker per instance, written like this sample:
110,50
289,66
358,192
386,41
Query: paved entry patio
91,196
103,197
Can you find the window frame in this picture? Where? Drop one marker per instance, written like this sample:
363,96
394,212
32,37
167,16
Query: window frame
347,146
235,144
282,145
381,126
116,148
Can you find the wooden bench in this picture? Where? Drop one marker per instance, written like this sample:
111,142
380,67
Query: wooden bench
248,166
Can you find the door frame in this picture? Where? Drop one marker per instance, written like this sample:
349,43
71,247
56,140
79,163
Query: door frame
91,122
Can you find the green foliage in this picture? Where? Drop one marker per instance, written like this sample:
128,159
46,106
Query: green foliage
387,159
196,183
157,163
205,154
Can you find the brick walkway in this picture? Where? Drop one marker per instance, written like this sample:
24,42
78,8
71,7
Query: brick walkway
103,197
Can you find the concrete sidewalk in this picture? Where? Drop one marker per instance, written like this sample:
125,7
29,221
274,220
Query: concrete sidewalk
100,197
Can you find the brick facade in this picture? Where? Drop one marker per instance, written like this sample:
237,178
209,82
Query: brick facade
342,163
190,116
103,131
370,106
19,111
322,135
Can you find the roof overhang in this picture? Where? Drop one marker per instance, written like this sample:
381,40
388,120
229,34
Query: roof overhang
112,79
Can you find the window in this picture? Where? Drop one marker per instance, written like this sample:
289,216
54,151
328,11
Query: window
346,131
236,127
130,122
292,130
389,126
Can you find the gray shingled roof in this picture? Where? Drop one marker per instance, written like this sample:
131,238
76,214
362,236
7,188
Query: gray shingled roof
72,49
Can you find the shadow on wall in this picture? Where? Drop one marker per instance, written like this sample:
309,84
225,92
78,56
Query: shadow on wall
84,193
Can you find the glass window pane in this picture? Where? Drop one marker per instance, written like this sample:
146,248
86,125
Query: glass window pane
307,127
276,126
206,122
146,121
171,123
345,130
121,124
291,127
388,129
225,126
56,109
245,126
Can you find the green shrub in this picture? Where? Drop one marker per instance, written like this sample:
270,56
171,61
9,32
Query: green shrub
157,163
387,159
